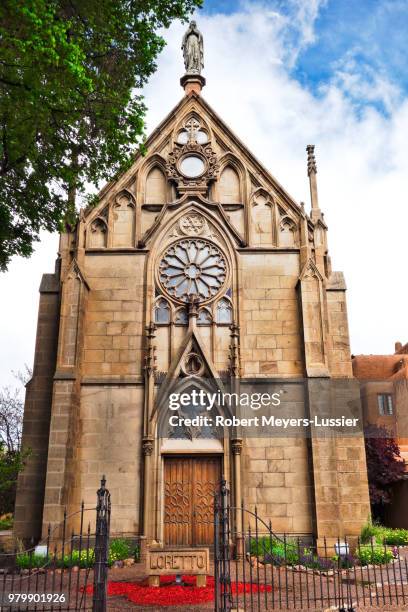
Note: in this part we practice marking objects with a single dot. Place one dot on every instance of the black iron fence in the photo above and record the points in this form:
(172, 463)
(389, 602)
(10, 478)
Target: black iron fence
(256, 569)
(66, 571)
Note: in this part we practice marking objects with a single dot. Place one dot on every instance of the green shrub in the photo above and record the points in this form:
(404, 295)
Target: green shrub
(276, 548)
(396, 537)
(83, 559)
(119, 549)
(27, 561)
(277, 551)
(373, 555)
(384, 535)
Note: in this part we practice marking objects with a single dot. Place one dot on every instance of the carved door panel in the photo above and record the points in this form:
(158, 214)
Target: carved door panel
(177, 501)
(206, 478)
(189, 487)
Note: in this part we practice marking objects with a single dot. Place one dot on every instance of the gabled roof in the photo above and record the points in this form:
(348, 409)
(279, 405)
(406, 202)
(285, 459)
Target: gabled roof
(243, 149)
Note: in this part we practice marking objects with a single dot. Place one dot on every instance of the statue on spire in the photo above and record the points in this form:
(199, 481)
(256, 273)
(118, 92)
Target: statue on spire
(193, 50)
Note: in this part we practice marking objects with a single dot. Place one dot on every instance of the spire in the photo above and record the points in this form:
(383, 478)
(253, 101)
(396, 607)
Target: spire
(193, 53)
(312, 171)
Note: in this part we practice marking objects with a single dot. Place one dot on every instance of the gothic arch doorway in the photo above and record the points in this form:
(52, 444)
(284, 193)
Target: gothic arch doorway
(191, 457)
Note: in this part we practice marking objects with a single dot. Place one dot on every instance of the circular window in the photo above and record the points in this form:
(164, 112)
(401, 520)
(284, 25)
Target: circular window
(192, 267)
(192, 166)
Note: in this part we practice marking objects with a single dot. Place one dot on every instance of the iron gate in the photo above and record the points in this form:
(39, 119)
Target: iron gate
(65, 571)
(257, 569)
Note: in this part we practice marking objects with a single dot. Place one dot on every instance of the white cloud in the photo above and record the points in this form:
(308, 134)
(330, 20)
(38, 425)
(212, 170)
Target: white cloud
(365, 83)
(303, 16)
(361, 156)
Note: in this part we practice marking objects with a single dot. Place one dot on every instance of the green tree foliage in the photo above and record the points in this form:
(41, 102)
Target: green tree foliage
(69, 111)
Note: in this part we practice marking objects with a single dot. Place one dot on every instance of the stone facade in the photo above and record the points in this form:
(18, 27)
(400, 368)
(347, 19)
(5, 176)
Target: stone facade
(110, 333)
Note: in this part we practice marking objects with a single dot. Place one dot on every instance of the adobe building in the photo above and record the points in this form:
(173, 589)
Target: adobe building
(384, 397)
(195, 262)
(384, 391)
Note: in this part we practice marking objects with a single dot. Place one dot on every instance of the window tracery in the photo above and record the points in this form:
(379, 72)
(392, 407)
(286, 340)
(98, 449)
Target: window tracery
(224, 311)
(181, 317)
(162, 313)
(192, 267)
(204, 317)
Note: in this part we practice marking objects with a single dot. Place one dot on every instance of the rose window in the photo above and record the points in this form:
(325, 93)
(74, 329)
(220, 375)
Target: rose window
(192, 267)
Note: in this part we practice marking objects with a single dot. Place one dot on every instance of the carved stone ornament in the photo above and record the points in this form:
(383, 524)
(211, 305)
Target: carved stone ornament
(150, 357)
(147, 446)
(193, 365)
(311, 160)
(236, 446)
(192, 166)
(192, 224)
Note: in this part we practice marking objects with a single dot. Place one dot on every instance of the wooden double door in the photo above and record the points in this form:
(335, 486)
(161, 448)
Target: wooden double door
(190, 483)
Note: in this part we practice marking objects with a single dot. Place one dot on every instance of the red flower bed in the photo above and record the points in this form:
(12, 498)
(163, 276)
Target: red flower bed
(168, 594)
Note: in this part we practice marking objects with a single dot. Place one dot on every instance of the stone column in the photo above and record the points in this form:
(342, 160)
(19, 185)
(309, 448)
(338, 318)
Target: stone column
(149, 370)
(236, 447)
(147, 450)
(234, 352)
(148, 440)
(192, 307)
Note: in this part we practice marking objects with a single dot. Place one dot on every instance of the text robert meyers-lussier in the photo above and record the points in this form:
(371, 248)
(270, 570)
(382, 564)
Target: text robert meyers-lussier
(262, 421)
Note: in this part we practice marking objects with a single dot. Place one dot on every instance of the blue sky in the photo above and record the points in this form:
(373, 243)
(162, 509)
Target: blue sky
(369, 36)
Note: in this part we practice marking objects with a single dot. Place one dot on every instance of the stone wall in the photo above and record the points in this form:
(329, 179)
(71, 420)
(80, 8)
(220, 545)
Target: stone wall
(270, 329)
(110, 443)
(113, 333)
(276, 480)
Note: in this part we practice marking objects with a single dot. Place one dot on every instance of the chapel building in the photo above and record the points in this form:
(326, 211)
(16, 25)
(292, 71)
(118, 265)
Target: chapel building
(195, 262)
